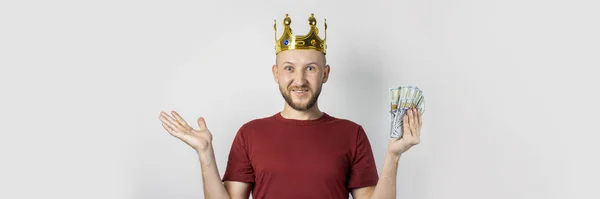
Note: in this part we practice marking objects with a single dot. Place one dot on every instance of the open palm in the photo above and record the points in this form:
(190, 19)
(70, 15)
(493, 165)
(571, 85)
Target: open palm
(200, 139)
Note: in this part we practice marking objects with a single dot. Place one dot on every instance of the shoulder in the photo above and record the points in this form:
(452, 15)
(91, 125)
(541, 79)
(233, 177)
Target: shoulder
(356, 130)
(352, 131)
(261, 121)
(247, 129)
(346, 123)
(256, 123)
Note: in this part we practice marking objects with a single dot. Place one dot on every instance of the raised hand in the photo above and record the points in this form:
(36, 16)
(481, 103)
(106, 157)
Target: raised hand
(411, 135)
(200, 140)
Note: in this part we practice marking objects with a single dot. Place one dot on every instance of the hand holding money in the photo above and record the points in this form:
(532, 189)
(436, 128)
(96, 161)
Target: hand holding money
(199, 140)
(411, 135)
(406, 107)
(404, 98)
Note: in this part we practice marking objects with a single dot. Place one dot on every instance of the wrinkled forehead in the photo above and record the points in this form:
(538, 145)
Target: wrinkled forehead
(300, 57)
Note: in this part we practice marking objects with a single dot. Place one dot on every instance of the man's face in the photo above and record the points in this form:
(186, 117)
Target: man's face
(300, 75)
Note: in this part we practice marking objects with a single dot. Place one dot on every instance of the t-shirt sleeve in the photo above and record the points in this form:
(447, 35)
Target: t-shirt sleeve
(363, 171)
(238, 163)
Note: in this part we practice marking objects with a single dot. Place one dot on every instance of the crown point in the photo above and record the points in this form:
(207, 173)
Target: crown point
(311, 20)
(287, 20)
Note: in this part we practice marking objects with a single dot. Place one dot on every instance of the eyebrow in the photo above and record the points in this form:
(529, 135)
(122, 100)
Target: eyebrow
(287, 62)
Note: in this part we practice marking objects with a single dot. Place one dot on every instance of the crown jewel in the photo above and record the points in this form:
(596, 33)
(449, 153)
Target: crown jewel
(289, 41)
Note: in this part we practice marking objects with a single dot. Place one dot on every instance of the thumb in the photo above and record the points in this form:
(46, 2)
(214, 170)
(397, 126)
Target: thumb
(201, 123)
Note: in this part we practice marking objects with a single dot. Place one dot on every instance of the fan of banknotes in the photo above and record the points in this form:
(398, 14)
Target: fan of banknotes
(403, 98)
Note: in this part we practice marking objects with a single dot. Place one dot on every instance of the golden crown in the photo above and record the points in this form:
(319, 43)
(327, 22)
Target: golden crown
(289, 41)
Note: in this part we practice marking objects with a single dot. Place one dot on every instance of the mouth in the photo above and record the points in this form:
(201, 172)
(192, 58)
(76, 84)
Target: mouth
(300, 91)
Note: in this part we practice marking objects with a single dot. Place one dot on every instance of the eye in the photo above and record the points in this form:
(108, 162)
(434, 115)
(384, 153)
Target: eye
(310, 68)
(287, 68)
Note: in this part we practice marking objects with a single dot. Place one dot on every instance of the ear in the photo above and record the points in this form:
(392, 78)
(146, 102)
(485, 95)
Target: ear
(275, 73)
(326, 75)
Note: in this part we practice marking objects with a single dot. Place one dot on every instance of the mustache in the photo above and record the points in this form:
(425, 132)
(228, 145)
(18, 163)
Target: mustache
(299, 88)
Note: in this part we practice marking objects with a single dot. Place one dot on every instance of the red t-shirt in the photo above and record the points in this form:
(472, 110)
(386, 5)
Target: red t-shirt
(287, 159)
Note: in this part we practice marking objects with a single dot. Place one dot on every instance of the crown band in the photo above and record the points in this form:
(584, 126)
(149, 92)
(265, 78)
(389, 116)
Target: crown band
(289, 41)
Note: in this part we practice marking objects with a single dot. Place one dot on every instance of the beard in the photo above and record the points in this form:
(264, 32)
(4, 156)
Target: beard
(287, 95)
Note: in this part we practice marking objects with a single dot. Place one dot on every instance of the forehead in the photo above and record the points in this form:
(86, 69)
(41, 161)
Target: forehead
(300, 56)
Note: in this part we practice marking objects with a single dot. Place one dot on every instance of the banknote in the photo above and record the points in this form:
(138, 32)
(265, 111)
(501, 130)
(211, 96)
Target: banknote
(403, 98)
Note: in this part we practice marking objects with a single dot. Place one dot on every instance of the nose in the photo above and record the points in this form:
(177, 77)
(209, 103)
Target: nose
(300, 79)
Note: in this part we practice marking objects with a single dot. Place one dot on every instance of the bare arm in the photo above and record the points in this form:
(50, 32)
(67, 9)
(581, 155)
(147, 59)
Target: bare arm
(211, 179)
(386, 186)
(201, 141)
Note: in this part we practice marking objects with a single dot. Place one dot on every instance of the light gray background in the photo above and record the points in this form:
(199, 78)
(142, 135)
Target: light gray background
(510, 91)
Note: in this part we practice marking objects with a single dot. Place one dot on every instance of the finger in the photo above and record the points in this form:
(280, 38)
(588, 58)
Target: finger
(414, 121)
(171, 131)
(417, 117)
(202, 123)
(420, 123)
(420, 118)
(411, 120)
(181, 120)
(406, 127)
(179, 126)
(169, 122)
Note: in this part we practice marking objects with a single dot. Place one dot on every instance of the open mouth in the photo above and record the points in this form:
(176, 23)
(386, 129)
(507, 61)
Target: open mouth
(301, 91)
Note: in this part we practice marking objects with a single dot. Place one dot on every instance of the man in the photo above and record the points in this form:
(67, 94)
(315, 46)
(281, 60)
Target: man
(299, 152)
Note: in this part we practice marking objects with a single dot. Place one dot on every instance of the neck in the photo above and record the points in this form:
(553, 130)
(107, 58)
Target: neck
(310, 114)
